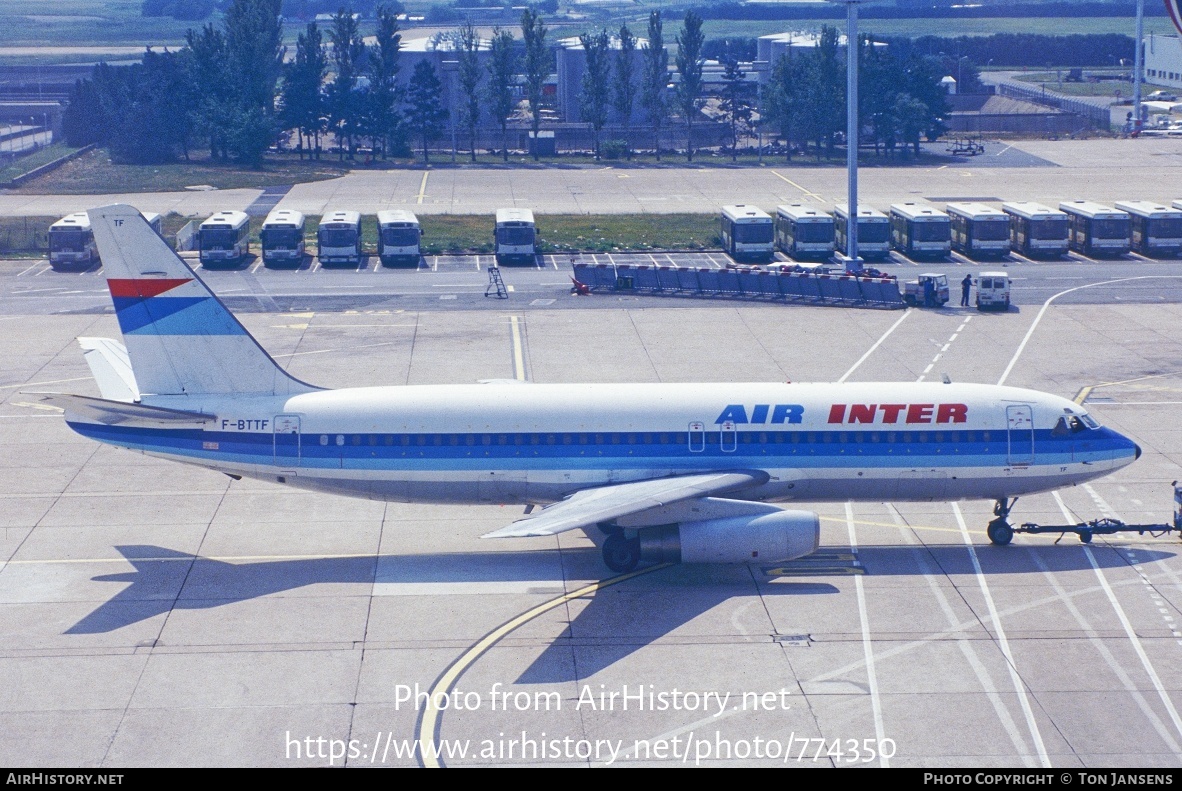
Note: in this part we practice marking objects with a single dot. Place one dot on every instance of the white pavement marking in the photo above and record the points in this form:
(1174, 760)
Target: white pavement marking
(877, 343)
(1116, 667)
(1107, 511)
(867, 646)
(966, 646)
(518, 355)
(1022, 346)
(1003, 643)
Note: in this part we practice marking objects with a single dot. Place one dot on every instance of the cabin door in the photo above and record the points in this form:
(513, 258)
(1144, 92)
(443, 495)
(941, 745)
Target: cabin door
(287, 441)
(1020, 434)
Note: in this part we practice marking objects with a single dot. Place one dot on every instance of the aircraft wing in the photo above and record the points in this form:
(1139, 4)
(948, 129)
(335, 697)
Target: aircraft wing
(602, 504)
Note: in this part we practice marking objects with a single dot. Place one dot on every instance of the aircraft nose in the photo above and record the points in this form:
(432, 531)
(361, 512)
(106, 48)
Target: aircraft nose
(1137, 449)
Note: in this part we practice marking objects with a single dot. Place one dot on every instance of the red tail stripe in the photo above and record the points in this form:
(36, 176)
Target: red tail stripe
(143, 288)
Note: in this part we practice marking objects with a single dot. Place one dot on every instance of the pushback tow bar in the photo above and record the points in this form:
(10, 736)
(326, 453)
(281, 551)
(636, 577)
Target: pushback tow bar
(1106, 526)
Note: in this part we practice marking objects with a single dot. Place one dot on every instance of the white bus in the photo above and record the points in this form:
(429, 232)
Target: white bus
(919, 230)
(874, 232)
(1097, 229)
(71, 242)
(515, 236)
(1157, 229)
(399, 237)
(1036, 230)
(747, 233)
(804, 232)
(979, 230)
(224, 238)
(282, 238)
(338, 239)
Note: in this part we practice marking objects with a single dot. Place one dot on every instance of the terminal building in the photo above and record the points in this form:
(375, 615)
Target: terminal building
(1163, 61)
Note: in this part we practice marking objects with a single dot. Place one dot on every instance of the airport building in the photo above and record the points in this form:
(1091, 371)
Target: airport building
(1163, 60)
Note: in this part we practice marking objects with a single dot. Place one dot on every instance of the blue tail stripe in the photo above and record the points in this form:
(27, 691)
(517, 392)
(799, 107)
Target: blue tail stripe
(174, 316)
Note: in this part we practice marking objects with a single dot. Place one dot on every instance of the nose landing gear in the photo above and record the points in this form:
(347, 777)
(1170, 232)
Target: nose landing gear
(1000, 531)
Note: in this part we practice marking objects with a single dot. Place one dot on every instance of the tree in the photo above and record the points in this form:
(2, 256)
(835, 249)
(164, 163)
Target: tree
(624, 94)
(382, 119)
(468, 46)
(736, 101)
(689, 66)
(781, 105)
(212, 89)
(656, 78)
(425, 115)
(348, 52)
(302, 101)
(255, 51)
(502, 65)
(593, 98)
(537, 67)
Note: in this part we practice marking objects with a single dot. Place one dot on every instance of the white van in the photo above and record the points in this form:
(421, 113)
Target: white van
(993, 291)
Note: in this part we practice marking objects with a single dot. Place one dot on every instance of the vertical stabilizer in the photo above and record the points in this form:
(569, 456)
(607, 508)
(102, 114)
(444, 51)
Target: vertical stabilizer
(180, 338)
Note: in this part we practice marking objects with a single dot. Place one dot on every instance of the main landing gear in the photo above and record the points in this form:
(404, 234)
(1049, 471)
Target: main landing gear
(620, 553)
(999, 531)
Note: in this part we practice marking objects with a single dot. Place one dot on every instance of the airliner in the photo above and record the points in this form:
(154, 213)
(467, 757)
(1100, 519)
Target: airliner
(686, 473)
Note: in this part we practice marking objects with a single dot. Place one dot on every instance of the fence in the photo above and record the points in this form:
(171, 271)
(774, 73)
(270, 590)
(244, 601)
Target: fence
(1098, 116)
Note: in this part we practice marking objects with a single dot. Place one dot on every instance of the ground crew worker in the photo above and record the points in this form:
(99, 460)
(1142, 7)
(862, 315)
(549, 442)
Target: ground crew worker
(964, 290)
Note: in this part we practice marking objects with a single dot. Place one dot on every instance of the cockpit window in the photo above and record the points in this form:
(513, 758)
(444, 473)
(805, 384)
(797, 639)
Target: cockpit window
(1087, 421)
(1060, 428)
(1073, 424)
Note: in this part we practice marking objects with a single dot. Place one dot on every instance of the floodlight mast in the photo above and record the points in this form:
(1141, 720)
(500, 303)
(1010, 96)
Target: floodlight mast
(1137, 66)
(851, 260)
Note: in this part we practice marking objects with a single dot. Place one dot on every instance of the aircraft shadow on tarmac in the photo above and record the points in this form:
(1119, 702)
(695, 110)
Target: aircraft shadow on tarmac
(605, 626)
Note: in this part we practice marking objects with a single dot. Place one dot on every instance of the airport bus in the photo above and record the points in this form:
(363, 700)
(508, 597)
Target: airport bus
(399, 237)
(338, 238)
(804, 232)
(71, 241)
(1157, 229)
(918, 230)
(515, 236)
(1036, 230)
(282, 238)
(874, 232)
(979, 230)
(224, 238)
(1097, 229)
(747, 233)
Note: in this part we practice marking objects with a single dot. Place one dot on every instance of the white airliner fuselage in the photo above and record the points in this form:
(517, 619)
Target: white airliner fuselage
(644, 463)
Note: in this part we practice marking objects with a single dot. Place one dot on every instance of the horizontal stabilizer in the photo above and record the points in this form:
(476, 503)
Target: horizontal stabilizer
(603, 504)
(111, 368)
(113, 413)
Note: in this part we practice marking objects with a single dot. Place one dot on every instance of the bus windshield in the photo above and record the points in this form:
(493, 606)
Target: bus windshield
(929, 231)
(1048, 229)
(218, 238)
(1166, 229)
(400, 237)
(68, 241)
(281, 237)
(814, 232)
(516, 235)
(991, 230)
(873, 232)
(338, 237)
(753, 233)
(1110, 229)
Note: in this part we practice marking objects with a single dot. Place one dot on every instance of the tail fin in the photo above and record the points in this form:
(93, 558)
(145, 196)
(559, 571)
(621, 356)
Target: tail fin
(180, 338)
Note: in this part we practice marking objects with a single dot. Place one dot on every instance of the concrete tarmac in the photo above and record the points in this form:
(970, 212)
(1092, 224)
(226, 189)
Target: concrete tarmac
(1103, 170)
(159, 614)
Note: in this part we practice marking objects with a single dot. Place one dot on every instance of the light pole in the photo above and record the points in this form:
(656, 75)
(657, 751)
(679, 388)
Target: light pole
(851, 260)
(1137, 66)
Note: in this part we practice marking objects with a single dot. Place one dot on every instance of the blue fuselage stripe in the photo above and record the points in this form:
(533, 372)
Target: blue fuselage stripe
(620, 450)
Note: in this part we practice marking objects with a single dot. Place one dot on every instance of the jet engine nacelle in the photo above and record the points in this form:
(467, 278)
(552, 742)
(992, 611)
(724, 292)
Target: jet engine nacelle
(768, 538)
